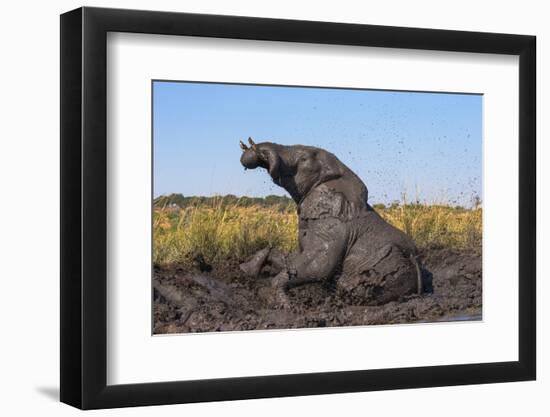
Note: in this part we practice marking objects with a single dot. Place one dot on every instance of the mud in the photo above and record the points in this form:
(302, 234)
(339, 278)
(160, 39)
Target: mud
(220, 298)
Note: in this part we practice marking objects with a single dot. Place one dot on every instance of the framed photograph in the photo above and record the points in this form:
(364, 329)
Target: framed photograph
(256, 208)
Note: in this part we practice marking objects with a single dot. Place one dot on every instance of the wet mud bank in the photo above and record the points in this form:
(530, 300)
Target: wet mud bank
(210, 298)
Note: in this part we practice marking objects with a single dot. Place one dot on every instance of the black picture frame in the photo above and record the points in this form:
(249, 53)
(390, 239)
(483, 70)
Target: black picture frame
(84, 207)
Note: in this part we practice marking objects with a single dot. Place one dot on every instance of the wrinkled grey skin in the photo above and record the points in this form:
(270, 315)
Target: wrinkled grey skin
(342, 240)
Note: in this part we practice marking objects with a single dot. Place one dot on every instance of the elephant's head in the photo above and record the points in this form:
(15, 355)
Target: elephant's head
(296, 168)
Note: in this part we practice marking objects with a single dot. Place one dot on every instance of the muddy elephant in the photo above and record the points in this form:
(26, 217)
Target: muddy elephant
(342, 239)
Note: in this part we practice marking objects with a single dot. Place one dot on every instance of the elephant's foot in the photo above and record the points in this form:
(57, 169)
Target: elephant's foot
(280, 288)
(253, 266)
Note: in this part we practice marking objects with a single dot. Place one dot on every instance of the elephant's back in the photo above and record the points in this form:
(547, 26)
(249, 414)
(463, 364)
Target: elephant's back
(375, 231)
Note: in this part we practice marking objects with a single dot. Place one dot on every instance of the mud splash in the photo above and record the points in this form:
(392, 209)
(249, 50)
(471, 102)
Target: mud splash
(223, 299)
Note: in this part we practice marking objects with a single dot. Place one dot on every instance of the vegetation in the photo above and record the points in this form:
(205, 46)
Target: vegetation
(437, 226)
(283, 203)
(216, 229)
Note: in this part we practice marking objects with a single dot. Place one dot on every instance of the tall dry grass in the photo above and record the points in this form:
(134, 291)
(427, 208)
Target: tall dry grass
(438, 226)
(217, 231)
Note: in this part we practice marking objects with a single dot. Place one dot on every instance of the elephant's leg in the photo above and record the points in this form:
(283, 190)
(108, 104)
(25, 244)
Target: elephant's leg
(254, 265)
(316, 264)
(280, 285)
(276, 261)
(270, 257)
(322, 249)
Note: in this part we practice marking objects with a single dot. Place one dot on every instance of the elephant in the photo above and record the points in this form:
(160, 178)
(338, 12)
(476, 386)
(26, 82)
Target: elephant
(342, 240)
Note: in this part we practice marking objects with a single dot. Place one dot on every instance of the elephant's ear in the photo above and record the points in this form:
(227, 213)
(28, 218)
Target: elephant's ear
(331, 168)
(274, 162)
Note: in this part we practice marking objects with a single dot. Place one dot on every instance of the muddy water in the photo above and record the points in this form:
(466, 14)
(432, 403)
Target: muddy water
(187, 300)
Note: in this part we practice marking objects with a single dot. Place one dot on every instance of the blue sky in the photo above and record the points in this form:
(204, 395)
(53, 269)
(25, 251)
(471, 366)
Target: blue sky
(426, 145)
